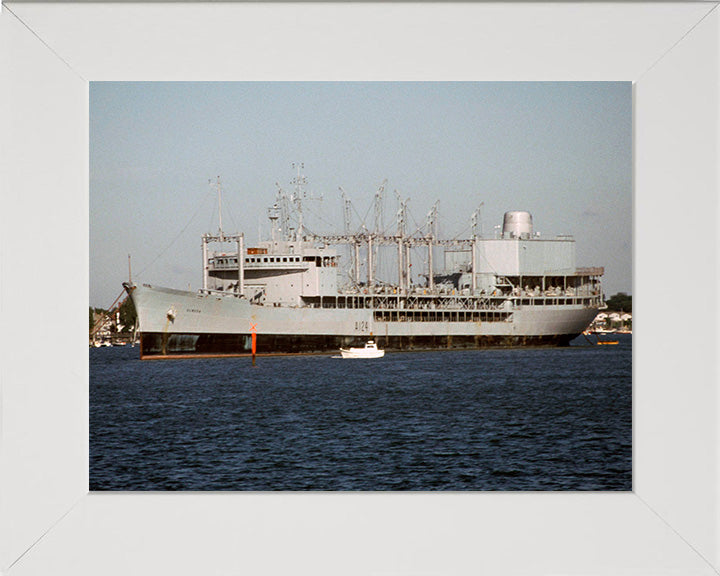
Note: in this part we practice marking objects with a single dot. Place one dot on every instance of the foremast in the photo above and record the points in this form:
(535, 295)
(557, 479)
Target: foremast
(221, 238)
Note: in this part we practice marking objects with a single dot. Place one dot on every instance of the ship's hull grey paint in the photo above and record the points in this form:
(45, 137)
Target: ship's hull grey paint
(177, 320)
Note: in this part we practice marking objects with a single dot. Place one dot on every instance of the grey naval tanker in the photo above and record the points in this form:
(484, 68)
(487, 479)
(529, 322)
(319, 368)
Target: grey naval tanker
(516, 288)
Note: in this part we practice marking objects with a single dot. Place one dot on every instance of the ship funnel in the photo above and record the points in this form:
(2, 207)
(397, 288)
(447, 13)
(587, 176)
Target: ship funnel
(517, 224)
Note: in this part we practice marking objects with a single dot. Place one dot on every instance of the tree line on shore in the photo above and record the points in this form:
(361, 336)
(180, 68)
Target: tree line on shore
(620, 302)
(128, 316)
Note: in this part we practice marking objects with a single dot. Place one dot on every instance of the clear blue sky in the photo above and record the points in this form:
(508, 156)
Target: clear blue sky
(561, 150)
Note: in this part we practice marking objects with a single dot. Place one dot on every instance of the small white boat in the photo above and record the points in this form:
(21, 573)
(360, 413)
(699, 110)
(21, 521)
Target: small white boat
(369, 351)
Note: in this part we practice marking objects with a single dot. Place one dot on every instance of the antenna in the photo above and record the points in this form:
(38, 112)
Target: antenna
(479, 211)
(273, 215)
(400, 214)
(355, 256)
(379, 207)
(403, 256)
(476, 217)
(430, 234)
(378, 202)
(432, 221)
(346, 210)
(299, 181)
(282, 203)
(219, 191)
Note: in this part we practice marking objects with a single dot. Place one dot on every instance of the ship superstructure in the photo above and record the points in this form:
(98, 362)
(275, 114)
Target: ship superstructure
(294, 291)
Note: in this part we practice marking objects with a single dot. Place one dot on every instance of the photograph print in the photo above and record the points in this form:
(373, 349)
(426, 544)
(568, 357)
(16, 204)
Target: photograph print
(360, 286)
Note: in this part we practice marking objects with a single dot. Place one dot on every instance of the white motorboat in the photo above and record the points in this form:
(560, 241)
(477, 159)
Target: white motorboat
(369, 351)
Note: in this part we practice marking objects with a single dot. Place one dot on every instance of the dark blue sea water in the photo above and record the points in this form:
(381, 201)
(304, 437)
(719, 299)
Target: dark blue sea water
(520, 419)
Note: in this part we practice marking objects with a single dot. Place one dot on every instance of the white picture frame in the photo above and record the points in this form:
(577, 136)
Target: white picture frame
(49, 523)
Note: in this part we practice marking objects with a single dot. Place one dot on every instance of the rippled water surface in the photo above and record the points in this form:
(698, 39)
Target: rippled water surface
(522, 419)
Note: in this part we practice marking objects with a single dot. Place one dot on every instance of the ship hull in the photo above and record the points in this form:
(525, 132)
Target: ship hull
(177, 323)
